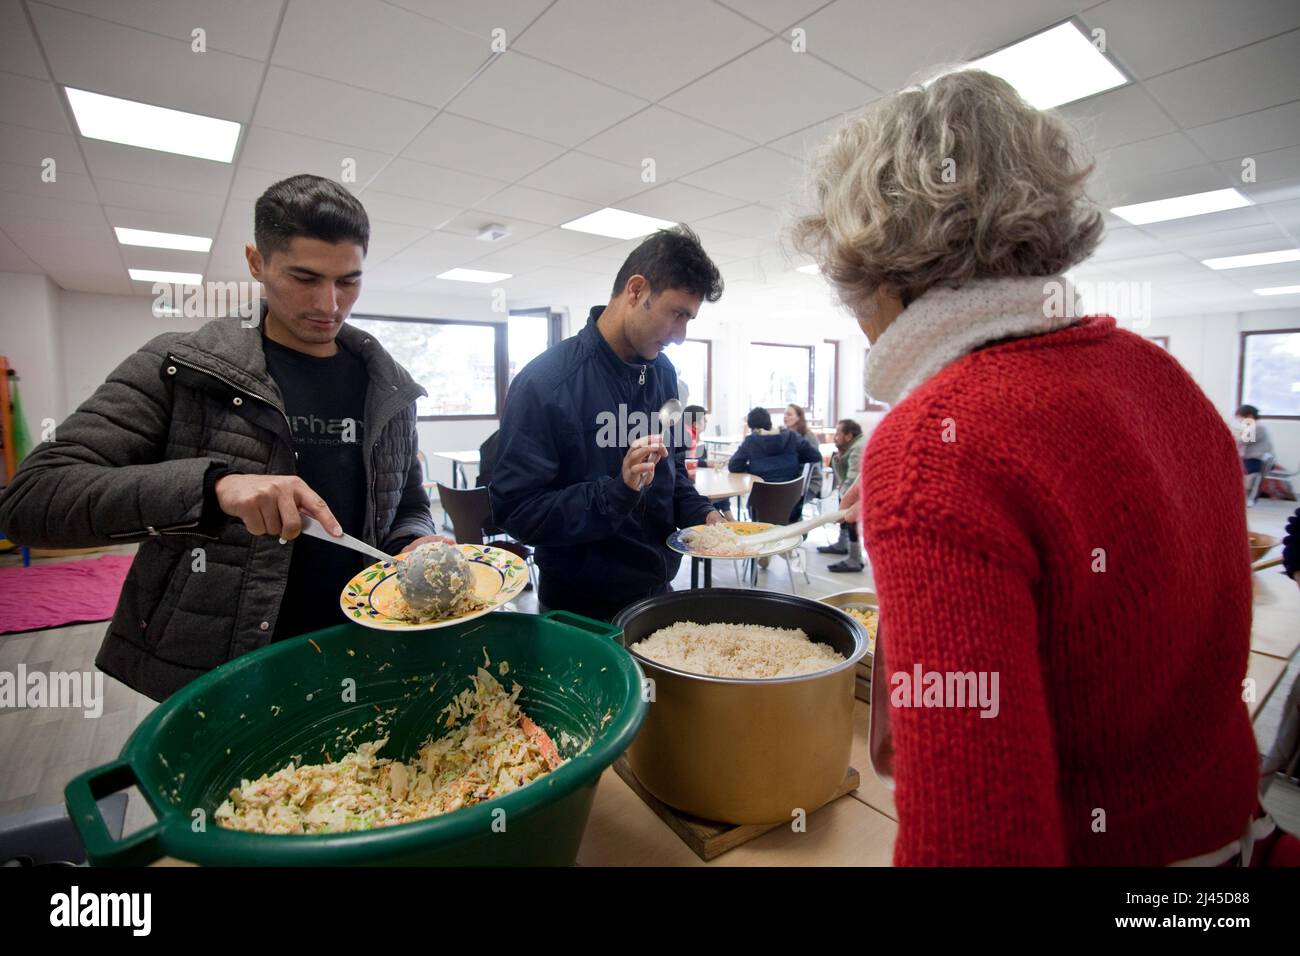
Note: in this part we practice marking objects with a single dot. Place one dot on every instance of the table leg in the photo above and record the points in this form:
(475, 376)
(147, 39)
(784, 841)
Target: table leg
(708, 572)
(695, 573)
(458, 475)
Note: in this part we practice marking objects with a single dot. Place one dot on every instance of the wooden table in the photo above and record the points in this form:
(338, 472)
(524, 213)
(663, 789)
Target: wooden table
(855, 830)
(720, 485)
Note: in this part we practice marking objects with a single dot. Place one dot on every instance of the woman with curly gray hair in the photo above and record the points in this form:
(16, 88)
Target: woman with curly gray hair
(1052, 508)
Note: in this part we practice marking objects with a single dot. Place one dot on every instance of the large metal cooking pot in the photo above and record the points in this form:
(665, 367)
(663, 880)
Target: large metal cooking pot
(743, 750)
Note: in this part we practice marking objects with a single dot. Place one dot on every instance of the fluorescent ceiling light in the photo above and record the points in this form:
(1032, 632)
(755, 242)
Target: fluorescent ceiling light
(162, 240)
(153, 127)
(811, 269)
(1280, 290)
(1254, 259)
(617, 224)
(1180, 207)
(474, 275)
(1052, 68)
(174, 278)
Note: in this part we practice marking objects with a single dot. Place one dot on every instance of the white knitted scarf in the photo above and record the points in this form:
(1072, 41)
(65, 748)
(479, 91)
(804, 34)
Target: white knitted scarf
(944, 324)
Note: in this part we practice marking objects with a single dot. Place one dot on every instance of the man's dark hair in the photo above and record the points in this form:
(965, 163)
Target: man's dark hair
(1248, 411)
(759, 418)
(672, 259)
(693, 413)
(312, 206)
(850, 427)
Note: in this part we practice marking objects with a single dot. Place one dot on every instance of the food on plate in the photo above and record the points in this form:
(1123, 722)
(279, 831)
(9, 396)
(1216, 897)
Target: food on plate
(737, 650)
(868, 616)
(493, 749)
(435, 582)
(716, 539)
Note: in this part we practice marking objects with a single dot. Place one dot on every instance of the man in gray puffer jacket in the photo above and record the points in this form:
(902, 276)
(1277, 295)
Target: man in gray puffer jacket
(206, 446)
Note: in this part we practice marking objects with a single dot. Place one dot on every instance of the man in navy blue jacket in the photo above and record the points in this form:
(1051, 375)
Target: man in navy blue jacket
(582, 472)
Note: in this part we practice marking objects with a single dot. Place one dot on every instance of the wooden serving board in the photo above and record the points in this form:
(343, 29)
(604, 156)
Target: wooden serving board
(709, 839)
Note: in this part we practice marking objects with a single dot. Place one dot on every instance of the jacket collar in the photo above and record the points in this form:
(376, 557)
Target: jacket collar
(597, 343)
(946, 324)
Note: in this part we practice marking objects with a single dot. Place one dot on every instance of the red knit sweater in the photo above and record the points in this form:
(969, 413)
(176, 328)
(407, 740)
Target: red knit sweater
(1120, 690)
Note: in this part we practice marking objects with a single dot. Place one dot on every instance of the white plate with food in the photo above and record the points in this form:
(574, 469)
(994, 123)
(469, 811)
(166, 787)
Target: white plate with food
(444, 585)
(726, 540)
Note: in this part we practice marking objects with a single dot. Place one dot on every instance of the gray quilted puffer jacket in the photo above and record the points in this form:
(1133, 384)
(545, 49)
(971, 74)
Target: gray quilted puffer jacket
(128, 465)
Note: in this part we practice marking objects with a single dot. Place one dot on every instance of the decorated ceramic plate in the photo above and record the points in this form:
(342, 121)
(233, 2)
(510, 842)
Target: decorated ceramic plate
(679, 543)
(371, 596)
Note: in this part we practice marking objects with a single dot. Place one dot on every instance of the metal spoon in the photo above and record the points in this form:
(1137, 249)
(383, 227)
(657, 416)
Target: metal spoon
(310, 526)
(669, 415)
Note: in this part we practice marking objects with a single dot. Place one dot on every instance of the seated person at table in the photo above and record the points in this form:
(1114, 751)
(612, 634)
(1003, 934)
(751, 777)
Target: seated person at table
(796, 421)
(772, 455)
(694, 418)
(1253, 442)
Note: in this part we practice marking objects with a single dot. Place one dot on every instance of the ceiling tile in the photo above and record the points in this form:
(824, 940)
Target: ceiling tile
(543, 101)
(27, 178)
(479, 17)
(1251, 133)
(142, 196)
(637, 47)
(802, 145)
(289, 154)
(1242, 81)
(767, 94)
(244, 27)
(318, 108)
(586, 177)
(377, 46)
(1116, 117)
(131, 164)
(403, 177)
(31, 147)
(24, 206)
(186, 222)
(889, 45)
(759, 175)
(680, 202)
(18, 50)
(536, 206)
(677, 144)
(1274, 166)
(389, 238)
(753, 220)
(405, 210)
(92, 54)
(776, 15)
(31, 103)
(456, 142)
(1156, 36)
(13, 259)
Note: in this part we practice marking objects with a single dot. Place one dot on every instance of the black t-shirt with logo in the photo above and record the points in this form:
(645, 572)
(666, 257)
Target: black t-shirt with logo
(325, 399)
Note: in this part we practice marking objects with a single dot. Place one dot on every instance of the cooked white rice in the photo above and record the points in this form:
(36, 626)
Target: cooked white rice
(717, 539)
(737, 650)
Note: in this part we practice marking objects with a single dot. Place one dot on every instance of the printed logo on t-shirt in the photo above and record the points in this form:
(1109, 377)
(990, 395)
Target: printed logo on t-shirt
(314, 430)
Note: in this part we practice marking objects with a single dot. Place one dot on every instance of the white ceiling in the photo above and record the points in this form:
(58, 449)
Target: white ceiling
(448, 136)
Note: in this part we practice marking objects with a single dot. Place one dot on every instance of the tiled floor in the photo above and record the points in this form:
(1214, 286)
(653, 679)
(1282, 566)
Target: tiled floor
(40, 750)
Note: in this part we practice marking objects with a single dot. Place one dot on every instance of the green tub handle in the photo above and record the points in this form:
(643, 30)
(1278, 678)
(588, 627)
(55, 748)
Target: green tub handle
(139, 848)
(603, 628)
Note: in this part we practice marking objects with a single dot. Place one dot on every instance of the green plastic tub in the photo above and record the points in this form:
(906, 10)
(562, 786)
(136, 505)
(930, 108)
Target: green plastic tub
(253, 715)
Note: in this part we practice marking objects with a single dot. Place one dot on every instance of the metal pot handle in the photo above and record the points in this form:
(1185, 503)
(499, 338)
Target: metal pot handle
(880, 742)
(142, 847)
(601, 628)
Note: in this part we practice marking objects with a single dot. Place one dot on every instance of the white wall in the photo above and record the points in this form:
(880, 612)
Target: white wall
(29, 338)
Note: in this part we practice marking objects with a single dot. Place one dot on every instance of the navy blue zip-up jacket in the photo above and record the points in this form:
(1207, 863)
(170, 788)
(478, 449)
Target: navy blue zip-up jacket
(599, 544)
(777, 457)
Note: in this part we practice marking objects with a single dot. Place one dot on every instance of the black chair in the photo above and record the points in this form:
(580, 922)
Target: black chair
(470, 511)
(772, 502)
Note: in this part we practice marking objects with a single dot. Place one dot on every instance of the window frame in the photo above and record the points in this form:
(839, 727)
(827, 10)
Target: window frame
(708, 372)
(812, 369)
(500, 361)
(1241, 370)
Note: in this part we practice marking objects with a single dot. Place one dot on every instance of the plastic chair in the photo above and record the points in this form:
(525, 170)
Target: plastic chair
(1256, 481)
(772, 502)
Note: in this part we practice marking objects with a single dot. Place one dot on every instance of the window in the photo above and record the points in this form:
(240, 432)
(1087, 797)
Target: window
(1269, 373)
(529, 333)
(780, 375)
(693, 360)
(868, 403)
(827, 391)
(460, 364)
(1160, 340)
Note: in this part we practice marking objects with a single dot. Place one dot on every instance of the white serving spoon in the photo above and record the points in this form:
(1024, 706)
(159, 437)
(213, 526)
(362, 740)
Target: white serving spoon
(781, 532)
(311, 526)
